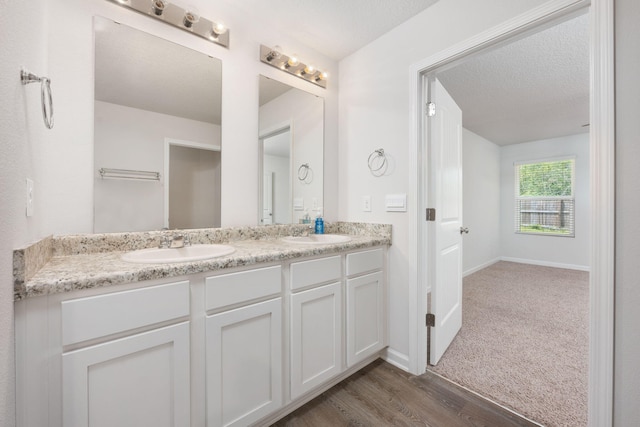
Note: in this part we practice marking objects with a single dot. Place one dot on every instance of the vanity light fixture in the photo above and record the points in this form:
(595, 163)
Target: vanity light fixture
(187, 19)
(292, 65)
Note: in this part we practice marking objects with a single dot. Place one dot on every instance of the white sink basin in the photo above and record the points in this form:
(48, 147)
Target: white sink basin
(186, 254)
(317, 239)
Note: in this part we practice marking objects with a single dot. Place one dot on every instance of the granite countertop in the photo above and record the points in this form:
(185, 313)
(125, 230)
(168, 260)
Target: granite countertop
(69, 269)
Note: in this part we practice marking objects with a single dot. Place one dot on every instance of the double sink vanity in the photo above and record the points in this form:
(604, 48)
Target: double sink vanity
(239, 328)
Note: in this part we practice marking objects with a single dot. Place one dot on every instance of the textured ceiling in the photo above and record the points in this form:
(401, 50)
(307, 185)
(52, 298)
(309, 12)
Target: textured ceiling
(535, 88)
(335, 28)
(142, 71)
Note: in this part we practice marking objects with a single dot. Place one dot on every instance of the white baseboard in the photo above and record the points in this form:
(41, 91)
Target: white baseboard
(480, 267)
(397, 359)
(547, 263)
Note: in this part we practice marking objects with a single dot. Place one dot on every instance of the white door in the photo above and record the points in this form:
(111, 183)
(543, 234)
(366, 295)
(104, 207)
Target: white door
(267, 198)
(445, 242)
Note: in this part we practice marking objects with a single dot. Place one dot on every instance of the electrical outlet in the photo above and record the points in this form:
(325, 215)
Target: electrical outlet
(29, 197)
(366, 203)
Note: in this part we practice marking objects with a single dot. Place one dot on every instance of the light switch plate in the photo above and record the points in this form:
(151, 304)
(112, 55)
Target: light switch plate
(366, 203)
(395, 202)
(29, 197)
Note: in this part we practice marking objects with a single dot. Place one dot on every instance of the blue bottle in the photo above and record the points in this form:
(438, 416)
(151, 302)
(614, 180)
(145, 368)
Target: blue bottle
(319, 224)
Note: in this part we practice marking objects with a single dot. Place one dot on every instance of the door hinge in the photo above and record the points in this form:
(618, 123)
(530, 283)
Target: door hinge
(431, 214)
(431, 320)
(431, 109)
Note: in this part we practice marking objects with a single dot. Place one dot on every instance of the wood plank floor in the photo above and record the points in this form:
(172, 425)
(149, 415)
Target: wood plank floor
(383, 395)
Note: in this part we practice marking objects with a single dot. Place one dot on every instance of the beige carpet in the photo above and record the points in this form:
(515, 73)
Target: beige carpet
(524, 341)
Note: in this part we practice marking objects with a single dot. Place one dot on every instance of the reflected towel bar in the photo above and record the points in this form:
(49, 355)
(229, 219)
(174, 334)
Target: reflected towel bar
(129, 174)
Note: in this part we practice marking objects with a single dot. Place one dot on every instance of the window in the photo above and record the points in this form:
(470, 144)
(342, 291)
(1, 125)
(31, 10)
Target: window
(545, 203)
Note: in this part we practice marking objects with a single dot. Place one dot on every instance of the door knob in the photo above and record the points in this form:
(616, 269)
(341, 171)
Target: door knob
(464, 230)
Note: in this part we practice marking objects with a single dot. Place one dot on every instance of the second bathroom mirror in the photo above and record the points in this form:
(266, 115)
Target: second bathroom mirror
(156, 132)
(291, 145)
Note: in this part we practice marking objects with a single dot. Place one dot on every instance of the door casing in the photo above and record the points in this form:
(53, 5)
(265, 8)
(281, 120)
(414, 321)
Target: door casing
(602, 132)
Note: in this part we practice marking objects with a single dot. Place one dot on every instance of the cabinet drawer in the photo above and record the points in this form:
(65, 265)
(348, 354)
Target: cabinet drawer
(235, 288)
(321, 270)
(362, 262)
(94, 317)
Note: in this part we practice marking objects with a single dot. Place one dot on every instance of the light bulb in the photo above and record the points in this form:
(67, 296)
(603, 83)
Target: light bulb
(191, 16)
(308, 69)
(159, 6)
(274, 54)
(293, 61)
(218, 29)
(322, 76)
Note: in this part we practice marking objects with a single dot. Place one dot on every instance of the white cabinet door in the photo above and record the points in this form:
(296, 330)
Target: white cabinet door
(365, 317)
(244, 364)
(316, 337)
(141, 380)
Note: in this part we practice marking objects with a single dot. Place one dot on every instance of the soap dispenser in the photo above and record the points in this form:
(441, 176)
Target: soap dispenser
(319, 222)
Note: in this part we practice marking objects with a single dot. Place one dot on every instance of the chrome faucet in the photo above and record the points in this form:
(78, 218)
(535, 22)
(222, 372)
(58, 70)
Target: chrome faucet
(176, 241)
(310, 230)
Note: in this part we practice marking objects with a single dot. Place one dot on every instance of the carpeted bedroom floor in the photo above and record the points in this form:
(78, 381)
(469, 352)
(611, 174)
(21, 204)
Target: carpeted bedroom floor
(524, 341)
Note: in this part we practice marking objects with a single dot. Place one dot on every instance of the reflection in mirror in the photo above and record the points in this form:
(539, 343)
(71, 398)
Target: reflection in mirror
(291, 142)
(157, 109)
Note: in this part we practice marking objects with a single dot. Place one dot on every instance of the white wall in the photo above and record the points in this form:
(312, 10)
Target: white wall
(304, 112)
(627, 267)
(570, 252)
(130, 138)
(481, 202)
(23, 139)
(375, 112)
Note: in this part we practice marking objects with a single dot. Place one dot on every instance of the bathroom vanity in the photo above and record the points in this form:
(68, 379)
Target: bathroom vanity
(236, 340)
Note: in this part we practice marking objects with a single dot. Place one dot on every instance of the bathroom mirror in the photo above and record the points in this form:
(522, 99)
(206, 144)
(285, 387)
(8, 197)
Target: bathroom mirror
(156, 133)
(291, 147)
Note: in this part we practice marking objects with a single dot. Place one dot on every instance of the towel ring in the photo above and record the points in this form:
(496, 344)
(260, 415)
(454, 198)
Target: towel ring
(377, 162)
(303, 171)
(45, 95)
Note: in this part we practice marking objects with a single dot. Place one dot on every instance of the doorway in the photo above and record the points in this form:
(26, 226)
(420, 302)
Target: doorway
(601, 148)
(276, 186)
(192, 185)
